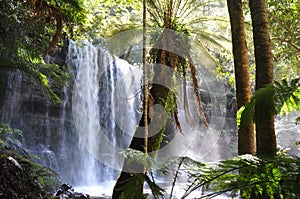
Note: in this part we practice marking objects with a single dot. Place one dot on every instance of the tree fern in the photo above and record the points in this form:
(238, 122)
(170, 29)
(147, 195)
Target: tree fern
(277, 177)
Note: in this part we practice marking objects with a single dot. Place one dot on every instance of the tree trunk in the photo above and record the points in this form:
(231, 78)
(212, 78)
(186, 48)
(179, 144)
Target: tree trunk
(159, 93)
(242, 76)
(134, 169)
(264, 117)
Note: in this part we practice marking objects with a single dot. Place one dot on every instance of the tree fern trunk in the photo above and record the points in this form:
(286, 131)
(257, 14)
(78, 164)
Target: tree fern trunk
(141, 144)
(159, 94)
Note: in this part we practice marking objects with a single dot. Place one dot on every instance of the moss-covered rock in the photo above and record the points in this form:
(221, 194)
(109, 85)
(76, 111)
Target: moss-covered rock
(19, 178)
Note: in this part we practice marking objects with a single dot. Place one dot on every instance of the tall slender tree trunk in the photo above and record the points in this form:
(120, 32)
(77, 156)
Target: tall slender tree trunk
(264, 116)
(242, 75)
(159, 94)
(133, 170)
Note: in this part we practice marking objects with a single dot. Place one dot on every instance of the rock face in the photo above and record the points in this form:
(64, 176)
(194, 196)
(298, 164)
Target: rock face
(24, 106)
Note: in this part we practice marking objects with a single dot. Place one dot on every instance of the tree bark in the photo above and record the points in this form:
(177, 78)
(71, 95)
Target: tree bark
(132, 170)
(264, 117)
(242, 76)
(159, 94)
(137, 142)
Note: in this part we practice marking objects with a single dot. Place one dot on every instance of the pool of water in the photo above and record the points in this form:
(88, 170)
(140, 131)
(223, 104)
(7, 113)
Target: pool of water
(105, 191)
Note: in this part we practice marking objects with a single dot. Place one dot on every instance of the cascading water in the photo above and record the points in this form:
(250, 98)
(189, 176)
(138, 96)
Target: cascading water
(11, 104)
(85, 108)
(97, 108)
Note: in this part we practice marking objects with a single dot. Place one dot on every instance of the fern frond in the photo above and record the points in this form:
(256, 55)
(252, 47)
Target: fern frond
(59, 76)
(118, 44)
(287, 96)
(282, 97)
(156, 190)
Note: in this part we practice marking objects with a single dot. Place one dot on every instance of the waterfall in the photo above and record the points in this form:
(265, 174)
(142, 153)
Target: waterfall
(104, 118)
(85, 108)
(82, 137)
(11, 103)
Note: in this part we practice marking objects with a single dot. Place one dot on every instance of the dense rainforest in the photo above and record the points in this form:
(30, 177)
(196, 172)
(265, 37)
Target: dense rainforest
(249, 49)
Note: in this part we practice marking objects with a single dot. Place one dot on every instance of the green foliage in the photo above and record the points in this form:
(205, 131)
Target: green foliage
(225, 69)
(284, 30)
(197, 20)
(32, 25)
(288, 96)
(282, 97)
(18, 169)
(246, 114)
(157, 191)
(170, 102)
(246, 175)
(149, 162)
(139, 157)
(249, 176)
(9, 138)
(130, 189)
(40, 74)
(298, 120)
(31, 29)
(107, 18)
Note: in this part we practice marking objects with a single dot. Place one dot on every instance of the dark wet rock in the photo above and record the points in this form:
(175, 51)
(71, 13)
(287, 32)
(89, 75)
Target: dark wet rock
(67, 192)
(16, 179)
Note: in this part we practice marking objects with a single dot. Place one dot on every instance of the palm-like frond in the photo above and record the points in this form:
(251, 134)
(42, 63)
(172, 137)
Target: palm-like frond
(187, 17)
(120, 42)
(179, 15)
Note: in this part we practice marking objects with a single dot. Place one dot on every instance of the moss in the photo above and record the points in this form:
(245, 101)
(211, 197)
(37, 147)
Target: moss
(155, 141)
